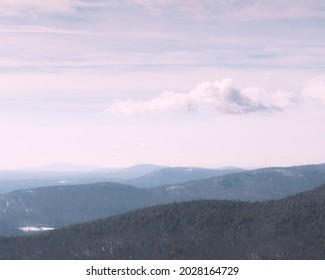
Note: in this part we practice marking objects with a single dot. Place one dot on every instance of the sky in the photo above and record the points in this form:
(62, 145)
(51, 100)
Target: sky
(114, 83)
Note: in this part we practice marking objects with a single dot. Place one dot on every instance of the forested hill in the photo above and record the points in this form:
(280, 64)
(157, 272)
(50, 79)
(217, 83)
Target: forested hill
(58, 206)
(291, 228)
(259, 184)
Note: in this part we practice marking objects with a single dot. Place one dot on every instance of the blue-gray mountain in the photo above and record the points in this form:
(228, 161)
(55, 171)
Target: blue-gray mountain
(59, 206)
(291, 228)
(259, 184)
(172, 175)
(143, 175)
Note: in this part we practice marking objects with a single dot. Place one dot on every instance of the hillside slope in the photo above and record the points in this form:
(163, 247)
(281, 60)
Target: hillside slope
(259, 184)
(59, 206)
(291, 228)
(172, 175)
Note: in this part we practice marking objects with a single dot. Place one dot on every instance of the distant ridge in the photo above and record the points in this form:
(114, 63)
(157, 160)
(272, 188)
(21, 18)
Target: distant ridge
(61, 173)
(259, 184)
(172, 175)
(137, 170)
(143, 175)
(64, 167)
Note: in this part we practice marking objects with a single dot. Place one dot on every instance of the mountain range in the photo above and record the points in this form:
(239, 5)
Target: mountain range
(142, 175)
(172, 175)
(290, 228)
(62, 205)
(259, 184)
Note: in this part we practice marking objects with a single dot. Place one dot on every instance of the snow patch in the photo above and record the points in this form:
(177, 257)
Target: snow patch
(32, 229)
(189, 169)
(63, 182)
(285, 172)
(174, 187)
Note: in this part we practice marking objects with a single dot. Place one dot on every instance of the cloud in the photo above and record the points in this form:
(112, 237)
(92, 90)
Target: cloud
(39, 29)
(202, 9)
(314, 89)
(32, 7)
(166, 102)
(238, 9)
(221, 96)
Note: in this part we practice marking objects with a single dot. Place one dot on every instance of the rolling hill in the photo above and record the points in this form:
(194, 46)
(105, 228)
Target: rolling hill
(142, 175)
(291, 228)
(64, 174)
(172, 175)
(58, 206)
(259, 184)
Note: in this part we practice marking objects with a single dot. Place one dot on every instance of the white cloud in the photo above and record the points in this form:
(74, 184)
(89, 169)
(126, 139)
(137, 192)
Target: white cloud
(221, 96)
(315, 89)
(166, 102)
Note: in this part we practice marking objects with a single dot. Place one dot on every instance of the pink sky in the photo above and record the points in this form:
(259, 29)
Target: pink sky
(116, 83)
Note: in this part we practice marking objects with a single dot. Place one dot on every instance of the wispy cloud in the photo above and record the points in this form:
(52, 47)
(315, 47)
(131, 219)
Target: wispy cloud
(39, 29)
(222, 96)
(32, 7)
(200, 9)
(124, 40)
(238, 10)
